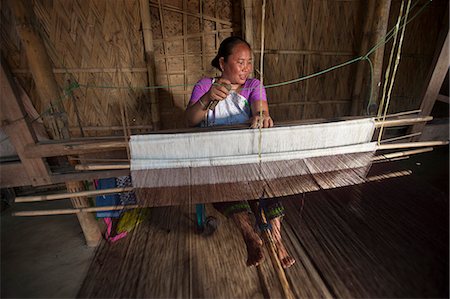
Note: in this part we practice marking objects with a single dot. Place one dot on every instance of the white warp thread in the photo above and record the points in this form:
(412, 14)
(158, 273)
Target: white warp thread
(221, 148)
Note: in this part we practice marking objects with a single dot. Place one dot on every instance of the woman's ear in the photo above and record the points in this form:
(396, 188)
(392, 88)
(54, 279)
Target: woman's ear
(221, 63)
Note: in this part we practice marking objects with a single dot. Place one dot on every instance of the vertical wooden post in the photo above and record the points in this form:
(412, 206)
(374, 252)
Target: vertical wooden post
(87, 221)
(247, 23)
(18, 128)
(375, 28)
(42, 72)
(436, 75)
(41, 68)
(150, 59)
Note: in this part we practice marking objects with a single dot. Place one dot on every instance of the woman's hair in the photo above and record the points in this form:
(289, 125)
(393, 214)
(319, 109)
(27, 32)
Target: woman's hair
(225, 49)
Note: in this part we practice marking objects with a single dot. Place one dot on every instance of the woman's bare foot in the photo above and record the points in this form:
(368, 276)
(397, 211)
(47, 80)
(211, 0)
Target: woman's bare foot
(253, 242)
(254, 250)
(285, 259)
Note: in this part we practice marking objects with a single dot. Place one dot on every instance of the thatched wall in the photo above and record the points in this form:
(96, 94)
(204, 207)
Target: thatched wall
(304, 37)
(100, 43)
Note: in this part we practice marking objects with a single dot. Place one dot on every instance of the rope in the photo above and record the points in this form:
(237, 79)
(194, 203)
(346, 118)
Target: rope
(397, 61)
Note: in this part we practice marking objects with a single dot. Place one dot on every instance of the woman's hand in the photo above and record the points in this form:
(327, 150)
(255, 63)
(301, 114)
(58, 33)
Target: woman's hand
(257, 121)
(219, 90)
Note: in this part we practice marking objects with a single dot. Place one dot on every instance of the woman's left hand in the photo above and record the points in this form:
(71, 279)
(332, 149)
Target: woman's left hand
(257, 121)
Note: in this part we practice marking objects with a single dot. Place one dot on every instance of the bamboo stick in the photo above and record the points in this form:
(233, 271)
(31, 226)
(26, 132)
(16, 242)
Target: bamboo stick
(402, 122)
(410, 144)
(403, 113)
(401, 154)
(400, 137)
(390, 175)
(72, 194)
(101, 166)
(74, 211)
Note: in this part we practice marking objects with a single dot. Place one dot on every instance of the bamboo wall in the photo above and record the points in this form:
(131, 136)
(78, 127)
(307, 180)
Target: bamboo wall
(100, 43)
(417, 53)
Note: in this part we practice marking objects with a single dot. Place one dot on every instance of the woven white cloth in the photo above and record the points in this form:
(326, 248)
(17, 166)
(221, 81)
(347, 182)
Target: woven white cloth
(237, 147)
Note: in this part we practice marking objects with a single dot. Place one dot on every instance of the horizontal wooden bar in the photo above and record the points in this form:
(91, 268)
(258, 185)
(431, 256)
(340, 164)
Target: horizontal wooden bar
(88, 175)
(402, 154)
(62, 149)
(389, 175)
(72, 194)
(101, 166)
(73, 211)
(402, 122)
(305, 52)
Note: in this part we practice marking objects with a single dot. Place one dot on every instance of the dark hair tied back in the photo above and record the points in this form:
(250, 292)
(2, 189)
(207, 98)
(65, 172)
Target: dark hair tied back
(225, 49)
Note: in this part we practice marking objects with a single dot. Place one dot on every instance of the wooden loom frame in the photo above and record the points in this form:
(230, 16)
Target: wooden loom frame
(32, 168)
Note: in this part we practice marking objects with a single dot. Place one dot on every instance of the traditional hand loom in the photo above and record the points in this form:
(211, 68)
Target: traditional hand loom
(233, 165)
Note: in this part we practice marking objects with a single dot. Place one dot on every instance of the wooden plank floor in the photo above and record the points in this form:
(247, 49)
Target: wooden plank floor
(381, 239)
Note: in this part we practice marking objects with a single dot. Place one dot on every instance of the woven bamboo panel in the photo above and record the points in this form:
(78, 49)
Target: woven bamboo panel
(315, 35)
(187, 35)
(99, 44)
(417, 53)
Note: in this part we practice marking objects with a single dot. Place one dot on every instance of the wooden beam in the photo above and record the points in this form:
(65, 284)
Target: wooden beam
(375, 27)
(436, 75)
(150, 59)
(18, 128)
(40, 67)
(63, 149)
(88, 175)
(247, 25)
(13, 175)
(247, 20)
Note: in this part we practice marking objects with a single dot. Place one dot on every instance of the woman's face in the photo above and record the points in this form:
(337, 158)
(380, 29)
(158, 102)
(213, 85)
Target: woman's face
(238, 66)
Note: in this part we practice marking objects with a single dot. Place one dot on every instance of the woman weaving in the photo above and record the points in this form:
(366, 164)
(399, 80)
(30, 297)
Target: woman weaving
(239, 100)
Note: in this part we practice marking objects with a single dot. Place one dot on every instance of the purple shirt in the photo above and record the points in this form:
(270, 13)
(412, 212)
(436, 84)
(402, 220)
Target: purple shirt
(250, 90)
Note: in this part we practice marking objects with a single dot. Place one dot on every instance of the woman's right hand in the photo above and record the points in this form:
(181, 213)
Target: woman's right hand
(218, 90)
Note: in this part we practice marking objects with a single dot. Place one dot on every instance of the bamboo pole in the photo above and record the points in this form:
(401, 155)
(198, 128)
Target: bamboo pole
(74, 211)
(402, 121)
(401, 154)
(150, 58)
(399, 137)
(411, 144)
(389, 175)
(101, 166)
(71, 194)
